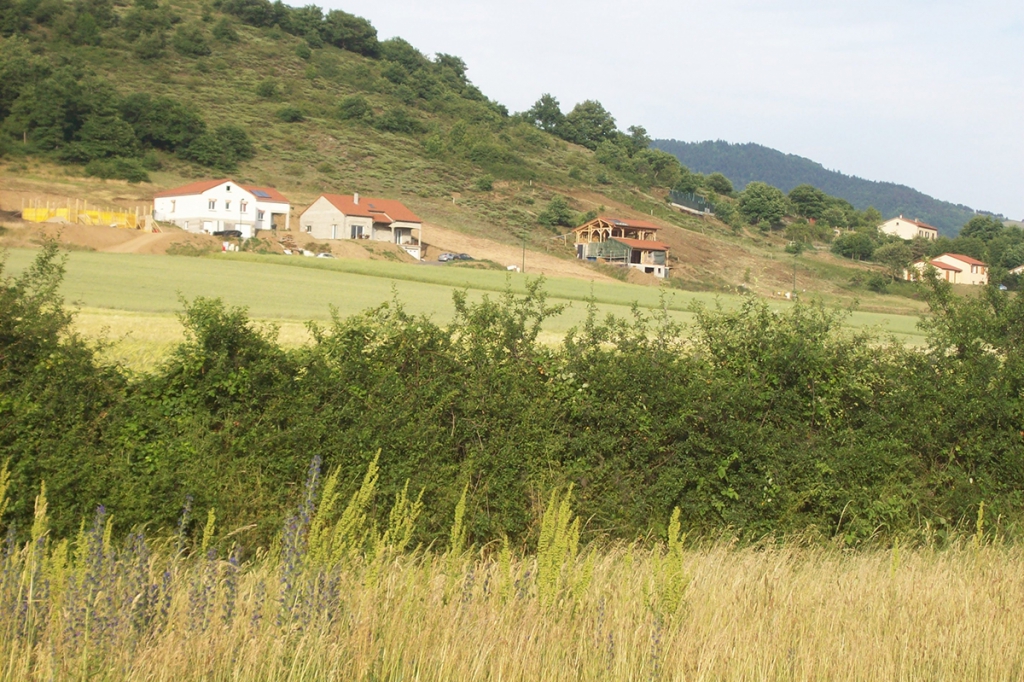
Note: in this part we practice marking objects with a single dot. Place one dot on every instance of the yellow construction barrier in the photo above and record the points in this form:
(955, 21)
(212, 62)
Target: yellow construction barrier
(84, 216)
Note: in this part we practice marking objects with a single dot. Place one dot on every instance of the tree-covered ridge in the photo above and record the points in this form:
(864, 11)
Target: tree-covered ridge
(745, 163)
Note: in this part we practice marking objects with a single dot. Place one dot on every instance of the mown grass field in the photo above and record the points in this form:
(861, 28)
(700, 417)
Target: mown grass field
(133, 300)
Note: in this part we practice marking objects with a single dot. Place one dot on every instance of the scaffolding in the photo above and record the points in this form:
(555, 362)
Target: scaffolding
(80, 213)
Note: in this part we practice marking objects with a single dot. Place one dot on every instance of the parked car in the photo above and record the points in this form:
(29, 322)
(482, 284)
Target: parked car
(228, 233)
(463, 256)
(325, 255)
(445, 257)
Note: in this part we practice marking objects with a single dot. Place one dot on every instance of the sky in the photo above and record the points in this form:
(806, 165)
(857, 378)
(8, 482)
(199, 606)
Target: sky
(926, 93)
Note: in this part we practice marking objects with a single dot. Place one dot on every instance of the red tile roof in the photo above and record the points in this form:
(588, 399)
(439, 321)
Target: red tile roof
(381, 210)
(203, 185)
(272, 194)
(963, 259)
(920, 224)
(939, 264)
(642, 244)
(191, 188)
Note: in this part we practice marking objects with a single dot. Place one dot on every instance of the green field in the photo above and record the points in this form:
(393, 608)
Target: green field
(134, 299)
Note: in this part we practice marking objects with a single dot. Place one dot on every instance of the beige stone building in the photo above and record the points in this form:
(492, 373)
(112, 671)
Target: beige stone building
(337, 216)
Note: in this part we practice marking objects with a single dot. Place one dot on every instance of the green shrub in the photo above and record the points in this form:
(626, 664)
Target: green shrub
(397, 120)
(354, 107)
(484, 183)
(224, 31)
(267, 89)
(190, 41)
(290, 114)
(131, 170)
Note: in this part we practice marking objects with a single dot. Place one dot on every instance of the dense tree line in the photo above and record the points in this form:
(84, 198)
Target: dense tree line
(72, 115)
(746, 163)
(760, 422)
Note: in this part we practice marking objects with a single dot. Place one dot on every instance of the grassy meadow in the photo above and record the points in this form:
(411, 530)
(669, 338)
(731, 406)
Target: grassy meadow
(132, 301)
(336, 599)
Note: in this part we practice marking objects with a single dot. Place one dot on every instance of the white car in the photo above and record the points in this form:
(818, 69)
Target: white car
(325, 255)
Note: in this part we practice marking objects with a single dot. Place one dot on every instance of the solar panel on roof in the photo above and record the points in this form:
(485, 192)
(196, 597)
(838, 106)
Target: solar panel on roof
(261, 194)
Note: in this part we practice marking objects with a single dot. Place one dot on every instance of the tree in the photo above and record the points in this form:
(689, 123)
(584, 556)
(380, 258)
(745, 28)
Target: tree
(855, 245)
(546, 114)
(808, 201)
(161, 122)
(895, 256)
(18, 68)
(719, 184)
(834, 216)
(655, 167)
(762, 202)
(588, 124)
(637, 140)
(351, 33)
(101, 136)
(558, 212)
(985, 228)
(689, 181)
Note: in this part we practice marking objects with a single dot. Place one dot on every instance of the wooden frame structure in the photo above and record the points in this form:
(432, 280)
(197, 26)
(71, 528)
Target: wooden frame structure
(602, 228)
(630, 243)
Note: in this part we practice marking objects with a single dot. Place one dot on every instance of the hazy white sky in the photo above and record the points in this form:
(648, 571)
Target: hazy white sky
(927, 93)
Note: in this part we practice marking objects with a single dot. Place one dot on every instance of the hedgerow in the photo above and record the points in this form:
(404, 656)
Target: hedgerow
(755, 421)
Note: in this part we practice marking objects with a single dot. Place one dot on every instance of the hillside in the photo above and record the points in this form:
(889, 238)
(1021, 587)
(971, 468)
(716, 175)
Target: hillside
(744, 163)
(111, 103)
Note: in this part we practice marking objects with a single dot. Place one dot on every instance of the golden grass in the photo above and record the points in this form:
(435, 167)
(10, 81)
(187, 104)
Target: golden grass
(748, 614)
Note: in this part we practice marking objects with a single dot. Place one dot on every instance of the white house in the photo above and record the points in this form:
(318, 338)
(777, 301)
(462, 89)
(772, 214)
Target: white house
(219, 205)
(955, 268)
(904, 228)
(337, 216)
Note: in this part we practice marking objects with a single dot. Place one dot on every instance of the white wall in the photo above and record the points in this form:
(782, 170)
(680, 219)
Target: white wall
(233, 208)
(904, 229)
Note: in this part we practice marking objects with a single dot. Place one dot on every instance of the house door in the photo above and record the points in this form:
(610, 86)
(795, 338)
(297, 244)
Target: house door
(357, 231)
(334, 231)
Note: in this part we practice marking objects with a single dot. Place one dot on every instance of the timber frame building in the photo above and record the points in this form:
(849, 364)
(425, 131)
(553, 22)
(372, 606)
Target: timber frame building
(630, 243)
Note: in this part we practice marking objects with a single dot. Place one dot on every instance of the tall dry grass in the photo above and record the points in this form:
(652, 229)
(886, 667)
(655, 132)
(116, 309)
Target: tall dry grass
(319, 607)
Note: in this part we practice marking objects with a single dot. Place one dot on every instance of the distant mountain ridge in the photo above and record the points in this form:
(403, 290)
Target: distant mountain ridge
(745, 163)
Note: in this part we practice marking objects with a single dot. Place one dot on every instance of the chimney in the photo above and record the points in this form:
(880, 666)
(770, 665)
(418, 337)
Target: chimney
(355, 198)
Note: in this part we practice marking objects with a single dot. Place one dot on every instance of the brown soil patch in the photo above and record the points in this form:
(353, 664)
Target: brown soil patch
(440, 240)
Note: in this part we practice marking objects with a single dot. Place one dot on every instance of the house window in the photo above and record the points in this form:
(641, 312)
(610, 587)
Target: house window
(259, 215)
(309, 228)
(173, 203)
(227, 205)
(244, 206)
(211, 204)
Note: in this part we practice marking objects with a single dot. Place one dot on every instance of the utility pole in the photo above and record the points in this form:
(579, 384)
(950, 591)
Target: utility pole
(523, 270)
(794, 276)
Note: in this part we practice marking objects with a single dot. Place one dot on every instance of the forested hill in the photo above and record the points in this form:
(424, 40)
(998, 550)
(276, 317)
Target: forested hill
(744, 163)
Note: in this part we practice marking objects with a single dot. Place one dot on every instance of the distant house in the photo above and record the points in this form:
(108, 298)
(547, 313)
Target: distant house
(337, 216)
(955, 268)
(630, 243)
(904, 228)
(218, 205)
(1019, 270)
(949, 273)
